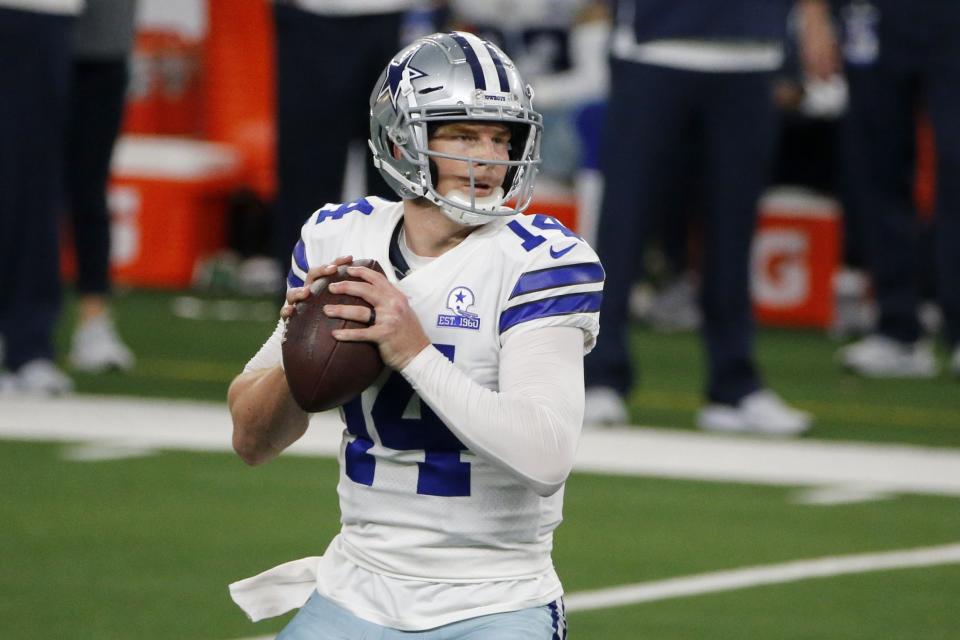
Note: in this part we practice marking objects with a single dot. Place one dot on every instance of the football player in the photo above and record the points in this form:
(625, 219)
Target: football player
(452, 465)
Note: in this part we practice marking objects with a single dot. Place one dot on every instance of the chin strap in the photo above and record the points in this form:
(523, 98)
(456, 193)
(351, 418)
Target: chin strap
(492, 202)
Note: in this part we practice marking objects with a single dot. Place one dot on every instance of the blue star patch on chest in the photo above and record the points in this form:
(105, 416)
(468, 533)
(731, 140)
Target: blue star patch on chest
(459, 301)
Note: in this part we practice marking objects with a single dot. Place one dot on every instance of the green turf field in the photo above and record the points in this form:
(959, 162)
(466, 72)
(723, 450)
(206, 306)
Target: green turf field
(144, 547)
(190, 358)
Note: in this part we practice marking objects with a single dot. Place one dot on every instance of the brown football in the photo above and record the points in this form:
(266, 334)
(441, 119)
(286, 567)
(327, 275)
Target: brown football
(322, 372)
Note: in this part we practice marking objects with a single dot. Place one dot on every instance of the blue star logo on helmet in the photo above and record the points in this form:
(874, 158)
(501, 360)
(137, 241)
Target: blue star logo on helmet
(459, 301)
(399, 74)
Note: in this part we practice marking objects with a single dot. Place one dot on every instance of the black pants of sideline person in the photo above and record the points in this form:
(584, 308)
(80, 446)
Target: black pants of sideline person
(657, 118)
(93, 121)
(326, 69)
(885, 98)
(34, 79)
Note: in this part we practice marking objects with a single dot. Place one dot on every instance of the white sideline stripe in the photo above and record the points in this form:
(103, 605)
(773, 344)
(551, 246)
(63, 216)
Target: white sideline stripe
(763, 575)
(199, 426)
(748, 577)
(838, 495)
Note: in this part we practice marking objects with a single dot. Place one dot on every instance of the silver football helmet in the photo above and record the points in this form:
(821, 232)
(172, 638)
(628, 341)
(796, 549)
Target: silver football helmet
(453, 77)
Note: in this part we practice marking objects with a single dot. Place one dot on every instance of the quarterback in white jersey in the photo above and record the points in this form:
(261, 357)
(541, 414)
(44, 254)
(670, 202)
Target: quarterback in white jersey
(452, 464)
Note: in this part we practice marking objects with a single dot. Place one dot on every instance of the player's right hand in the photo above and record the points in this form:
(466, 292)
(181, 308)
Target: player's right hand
(297, 294)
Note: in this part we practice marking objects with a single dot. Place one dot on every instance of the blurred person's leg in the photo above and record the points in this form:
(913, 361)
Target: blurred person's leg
(93, 122)
(853, 179)
(644, 135)
(34, 78)
(741, 130)
(741, 135)
(885, 98)
(855, 312)
(324, 80)
(942, 83)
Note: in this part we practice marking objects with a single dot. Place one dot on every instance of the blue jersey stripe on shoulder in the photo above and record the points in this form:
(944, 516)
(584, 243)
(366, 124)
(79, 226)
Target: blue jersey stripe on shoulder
(580, 273)
(294, 280)
(472, 60)
(548, 307)
(300, 256)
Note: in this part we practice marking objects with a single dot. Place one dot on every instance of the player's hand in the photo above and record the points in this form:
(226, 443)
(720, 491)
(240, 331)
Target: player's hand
(298, 294)
(395, 328)
(817, 40)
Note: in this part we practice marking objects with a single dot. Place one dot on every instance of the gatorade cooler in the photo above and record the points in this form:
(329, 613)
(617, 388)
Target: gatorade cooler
(796, 251)
(167, 199)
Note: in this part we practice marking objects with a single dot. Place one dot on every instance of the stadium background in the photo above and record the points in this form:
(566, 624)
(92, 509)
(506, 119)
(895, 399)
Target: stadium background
(107, 533)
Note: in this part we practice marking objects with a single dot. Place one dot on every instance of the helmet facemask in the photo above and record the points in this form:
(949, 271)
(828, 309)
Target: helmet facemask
(403, 115)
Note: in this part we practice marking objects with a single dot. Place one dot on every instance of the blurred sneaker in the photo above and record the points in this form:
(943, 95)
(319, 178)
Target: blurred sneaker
(761, 412)
(604, 405)
(96, 347)
(855, 310)
(260, 275)
(878, 356)
(8, 384)
(675, 307)
(41, 377)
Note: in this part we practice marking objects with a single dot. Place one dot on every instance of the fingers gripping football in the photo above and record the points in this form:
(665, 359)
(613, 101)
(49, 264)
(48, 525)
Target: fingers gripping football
(299, 294)
(395, 329)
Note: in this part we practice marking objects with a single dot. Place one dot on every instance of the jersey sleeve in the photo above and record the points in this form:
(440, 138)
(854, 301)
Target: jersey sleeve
(271, 353)
(558, 283)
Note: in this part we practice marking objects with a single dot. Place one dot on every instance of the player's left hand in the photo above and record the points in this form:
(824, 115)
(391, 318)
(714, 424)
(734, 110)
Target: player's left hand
(395, 327)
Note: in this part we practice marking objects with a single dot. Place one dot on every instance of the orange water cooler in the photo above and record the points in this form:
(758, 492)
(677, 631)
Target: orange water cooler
(796, 253)
(167, 200)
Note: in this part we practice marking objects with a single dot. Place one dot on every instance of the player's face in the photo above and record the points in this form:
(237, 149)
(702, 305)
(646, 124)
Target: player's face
(476, 140)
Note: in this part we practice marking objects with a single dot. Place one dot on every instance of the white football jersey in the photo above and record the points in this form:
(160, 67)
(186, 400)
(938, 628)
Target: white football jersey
(415, 503)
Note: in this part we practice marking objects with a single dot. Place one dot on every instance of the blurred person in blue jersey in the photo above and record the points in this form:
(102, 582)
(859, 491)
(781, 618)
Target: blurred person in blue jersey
(902, 57)
(103, 37)
(329, 52)
(693, 79)
(35, 57)
(453, 463)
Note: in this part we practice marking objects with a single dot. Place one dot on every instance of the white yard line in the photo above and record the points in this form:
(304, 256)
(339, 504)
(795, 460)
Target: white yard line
(763, 575)
(134, 425)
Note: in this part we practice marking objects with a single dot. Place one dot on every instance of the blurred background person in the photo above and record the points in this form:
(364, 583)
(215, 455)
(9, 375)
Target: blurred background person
(902, 58)
(103, 36)
(695, 79)
(35, 58)
(329, 54)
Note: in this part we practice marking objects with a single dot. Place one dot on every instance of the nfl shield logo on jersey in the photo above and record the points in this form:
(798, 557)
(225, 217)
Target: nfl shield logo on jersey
(459, 301)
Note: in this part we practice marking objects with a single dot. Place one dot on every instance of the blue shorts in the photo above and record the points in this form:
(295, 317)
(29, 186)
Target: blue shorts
(320, 619)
